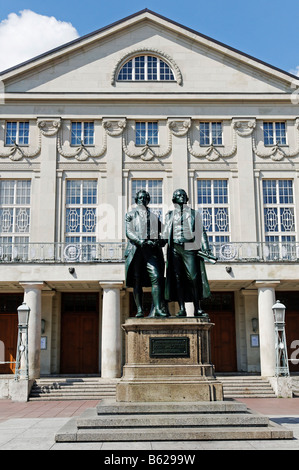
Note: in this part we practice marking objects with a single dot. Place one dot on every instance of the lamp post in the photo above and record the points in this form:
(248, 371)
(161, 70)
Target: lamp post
(282, 364)
(22, 364)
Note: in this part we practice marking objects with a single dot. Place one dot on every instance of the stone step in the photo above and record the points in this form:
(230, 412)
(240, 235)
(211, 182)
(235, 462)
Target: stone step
(114, 421)
(90, 419)
(85, 388)
(246, 387)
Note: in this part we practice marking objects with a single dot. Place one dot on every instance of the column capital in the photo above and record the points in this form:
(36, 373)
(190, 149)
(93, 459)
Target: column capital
(32, 284)
(272, 283)
(111, 284)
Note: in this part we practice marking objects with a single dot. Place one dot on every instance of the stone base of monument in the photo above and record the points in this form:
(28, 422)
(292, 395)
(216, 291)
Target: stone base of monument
(168, 392)
(168, 360)
(176, 421)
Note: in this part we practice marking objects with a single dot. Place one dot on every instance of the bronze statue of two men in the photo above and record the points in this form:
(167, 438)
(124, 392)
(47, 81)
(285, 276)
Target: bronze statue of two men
(188, 247)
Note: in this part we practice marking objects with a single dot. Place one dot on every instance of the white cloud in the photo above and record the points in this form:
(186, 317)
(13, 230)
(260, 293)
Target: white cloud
(28, 34)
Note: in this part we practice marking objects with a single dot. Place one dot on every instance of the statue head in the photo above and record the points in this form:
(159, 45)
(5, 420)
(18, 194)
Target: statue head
(180, 197)
(142, 198)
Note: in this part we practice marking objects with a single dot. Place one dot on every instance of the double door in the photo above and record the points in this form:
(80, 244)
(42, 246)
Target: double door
(79, 334)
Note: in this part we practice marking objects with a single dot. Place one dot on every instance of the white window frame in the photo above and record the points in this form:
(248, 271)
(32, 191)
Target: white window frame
(275, 138)
(82, 134)
(17, 140)
(146, 123)
(212, 208)
(279, 206)
(81, 236)
(210, 133)
(14, 241)
(146, 70)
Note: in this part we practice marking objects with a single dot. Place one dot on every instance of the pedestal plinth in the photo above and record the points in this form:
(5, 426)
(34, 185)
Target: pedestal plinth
(168, 360)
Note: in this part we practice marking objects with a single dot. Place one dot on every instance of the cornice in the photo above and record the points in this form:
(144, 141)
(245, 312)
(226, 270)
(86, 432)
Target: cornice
(149, 96)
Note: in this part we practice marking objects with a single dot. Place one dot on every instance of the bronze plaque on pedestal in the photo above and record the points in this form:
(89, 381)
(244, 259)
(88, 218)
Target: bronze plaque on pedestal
(169, 347)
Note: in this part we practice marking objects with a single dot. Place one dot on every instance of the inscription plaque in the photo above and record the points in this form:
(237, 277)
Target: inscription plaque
(169, 347)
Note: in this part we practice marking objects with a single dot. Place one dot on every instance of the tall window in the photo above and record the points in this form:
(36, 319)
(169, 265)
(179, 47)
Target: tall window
(82, 132)
(146, 68)
(15, 198)
(210, 133)
(212, 199)
(146, 133)
(274, 133)
(155, 189)
(81, 202)
(279, 216)
(17, 132)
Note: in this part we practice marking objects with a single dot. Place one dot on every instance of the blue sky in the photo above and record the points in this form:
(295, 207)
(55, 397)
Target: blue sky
(265, 29)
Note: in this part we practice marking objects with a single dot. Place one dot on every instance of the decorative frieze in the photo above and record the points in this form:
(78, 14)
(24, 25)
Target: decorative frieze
(212, 152)
(16, 152)
(276, 152)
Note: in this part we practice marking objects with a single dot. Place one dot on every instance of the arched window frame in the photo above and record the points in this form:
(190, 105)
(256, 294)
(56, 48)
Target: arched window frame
(148, 52)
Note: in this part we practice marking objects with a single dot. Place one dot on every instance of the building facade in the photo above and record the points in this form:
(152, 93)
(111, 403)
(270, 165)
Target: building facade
(145, 103)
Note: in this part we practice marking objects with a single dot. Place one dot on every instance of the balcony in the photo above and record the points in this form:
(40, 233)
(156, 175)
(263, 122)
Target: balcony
(113, 252)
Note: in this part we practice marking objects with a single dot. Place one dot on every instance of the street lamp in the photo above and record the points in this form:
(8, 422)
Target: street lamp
(22, 365)
(282, 364)
(23, 315)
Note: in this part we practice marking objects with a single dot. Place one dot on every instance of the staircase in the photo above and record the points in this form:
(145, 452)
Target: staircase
(97, 388)
(245, 386)
(73, 388)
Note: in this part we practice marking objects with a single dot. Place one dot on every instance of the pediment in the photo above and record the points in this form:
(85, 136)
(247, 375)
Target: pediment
(89, 64)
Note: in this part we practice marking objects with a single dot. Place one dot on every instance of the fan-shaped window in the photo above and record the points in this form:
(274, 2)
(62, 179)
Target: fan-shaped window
(147, 68)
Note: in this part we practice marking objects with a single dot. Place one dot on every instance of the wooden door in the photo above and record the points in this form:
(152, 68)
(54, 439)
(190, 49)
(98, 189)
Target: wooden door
(79, 334)
(220, 308)
(9, 331)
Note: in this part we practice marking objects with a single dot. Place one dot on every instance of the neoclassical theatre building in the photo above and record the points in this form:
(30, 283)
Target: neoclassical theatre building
(145, 103)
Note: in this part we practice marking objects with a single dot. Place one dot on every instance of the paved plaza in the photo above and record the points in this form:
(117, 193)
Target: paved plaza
(33, 425)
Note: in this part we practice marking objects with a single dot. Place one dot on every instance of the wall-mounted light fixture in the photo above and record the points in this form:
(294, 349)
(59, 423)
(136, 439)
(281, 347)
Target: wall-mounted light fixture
(43, 326)
(255, 324)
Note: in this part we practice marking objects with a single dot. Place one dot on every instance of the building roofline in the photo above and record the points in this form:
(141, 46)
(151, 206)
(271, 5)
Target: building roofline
(134, 15)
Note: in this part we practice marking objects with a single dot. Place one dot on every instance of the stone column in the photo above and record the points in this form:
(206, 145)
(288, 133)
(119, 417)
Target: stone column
(111, 332)
(32, 297)
(266, 299)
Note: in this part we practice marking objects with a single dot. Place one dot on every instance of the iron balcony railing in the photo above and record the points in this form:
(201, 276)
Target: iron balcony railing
(106, 252)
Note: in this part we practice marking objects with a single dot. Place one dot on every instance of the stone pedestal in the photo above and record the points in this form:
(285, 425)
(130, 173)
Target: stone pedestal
(168, 360)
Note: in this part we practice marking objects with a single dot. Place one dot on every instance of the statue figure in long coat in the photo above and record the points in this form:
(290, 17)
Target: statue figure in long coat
(188, 247)
(144, 262)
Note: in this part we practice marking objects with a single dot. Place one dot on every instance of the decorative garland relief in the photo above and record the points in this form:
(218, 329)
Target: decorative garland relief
(176, 127)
